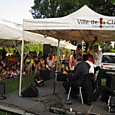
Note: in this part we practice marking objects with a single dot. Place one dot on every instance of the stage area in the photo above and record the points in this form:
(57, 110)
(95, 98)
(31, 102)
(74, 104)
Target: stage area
(45, 100)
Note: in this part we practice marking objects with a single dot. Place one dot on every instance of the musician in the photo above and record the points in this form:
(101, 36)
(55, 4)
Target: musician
(97, 55)
(79, 49)
(77, 79)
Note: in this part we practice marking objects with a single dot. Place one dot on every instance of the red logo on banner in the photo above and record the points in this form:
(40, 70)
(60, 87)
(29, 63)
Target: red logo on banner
(101, 19)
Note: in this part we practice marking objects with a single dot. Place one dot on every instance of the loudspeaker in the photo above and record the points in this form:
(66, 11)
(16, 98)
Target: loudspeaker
(30, 91)
(2, 88)
(61, 77)
(111, 81)
(46, 49)
(46, 74)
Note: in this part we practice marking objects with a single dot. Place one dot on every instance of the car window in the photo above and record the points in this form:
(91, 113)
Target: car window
(108, 59)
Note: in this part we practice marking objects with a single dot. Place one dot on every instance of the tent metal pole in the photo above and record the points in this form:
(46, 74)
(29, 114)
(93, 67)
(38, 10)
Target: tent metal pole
(28, 50)
(58, 55)
(55, 78)
(21, 67)
(16, 47)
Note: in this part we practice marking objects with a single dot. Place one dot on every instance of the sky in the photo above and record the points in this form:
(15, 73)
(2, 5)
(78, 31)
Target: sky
(16, 10)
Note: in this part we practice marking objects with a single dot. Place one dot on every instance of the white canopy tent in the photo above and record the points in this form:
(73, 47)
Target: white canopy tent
(83, 24)
(11, 33)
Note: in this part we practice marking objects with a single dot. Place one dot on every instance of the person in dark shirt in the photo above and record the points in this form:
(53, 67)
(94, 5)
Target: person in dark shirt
(77, 79)
(36, 65)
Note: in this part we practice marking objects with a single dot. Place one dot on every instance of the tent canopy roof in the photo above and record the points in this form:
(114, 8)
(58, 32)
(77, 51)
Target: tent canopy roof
(11, 33)
(83, 24)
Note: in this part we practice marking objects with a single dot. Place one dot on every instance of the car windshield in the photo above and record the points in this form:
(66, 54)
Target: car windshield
(108, 59)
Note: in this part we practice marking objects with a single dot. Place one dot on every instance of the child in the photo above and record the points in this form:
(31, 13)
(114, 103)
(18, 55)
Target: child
(18, 71)
(0, 70)
(14, 74)
(4, 74)
(7, 70)
(42, 63)
(10, 74)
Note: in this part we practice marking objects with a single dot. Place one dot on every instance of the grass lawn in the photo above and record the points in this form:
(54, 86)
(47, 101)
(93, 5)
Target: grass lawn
(12, 85)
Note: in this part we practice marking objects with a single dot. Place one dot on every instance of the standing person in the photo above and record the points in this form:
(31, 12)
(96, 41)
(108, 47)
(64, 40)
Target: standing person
(4, 54)
(97, 55)
(66, 62)
(79, 49)
(40, 54)
(61, 58)
(52, 55)
(70, 59)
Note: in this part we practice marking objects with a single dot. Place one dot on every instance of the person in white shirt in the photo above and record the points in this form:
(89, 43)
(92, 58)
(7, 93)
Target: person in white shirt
(92, 66)
(91, 70)
(79, 49)
(97, 55)
(14, 74)
(50, 63)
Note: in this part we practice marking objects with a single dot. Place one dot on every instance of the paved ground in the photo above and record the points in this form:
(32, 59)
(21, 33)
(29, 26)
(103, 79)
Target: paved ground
(46, 99)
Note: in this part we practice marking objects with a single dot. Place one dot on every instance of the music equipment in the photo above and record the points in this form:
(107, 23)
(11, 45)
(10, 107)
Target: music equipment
(61, 77)
(46, 74)
(111, 104)
(111, 82)
(65, 111)
(46, 49)
(39, 83)
(2, 88)
(111, 109)
(30, 91)
(109, 76)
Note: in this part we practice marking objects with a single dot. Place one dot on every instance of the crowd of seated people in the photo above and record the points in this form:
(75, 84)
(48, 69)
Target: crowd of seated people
(10, 67)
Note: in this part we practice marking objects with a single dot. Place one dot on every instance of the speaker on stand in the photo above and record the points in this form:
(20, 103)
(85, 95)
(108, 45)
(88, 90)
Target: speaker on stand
(46, 49)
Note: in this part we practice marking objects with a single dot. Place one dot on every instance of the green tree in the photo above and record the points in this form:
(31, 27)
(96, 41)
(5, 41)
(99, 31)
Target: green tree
(45, 8)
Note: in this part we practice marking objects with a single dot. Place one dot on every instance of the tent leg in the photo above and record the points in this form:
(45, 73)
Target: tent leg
(21, 67)
(55, 78)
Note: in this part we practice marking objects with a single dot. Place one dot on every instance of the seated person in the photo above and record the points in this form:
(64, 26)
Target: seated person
(9, 74)
(91, 70)
(50, 63)
(77, 79)
(0, 70)
(28, 63)
(7, 69)
(18, 72)
(14, 74)
(42, 63)
(63, 71)
(36, 65)
(4, 74)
